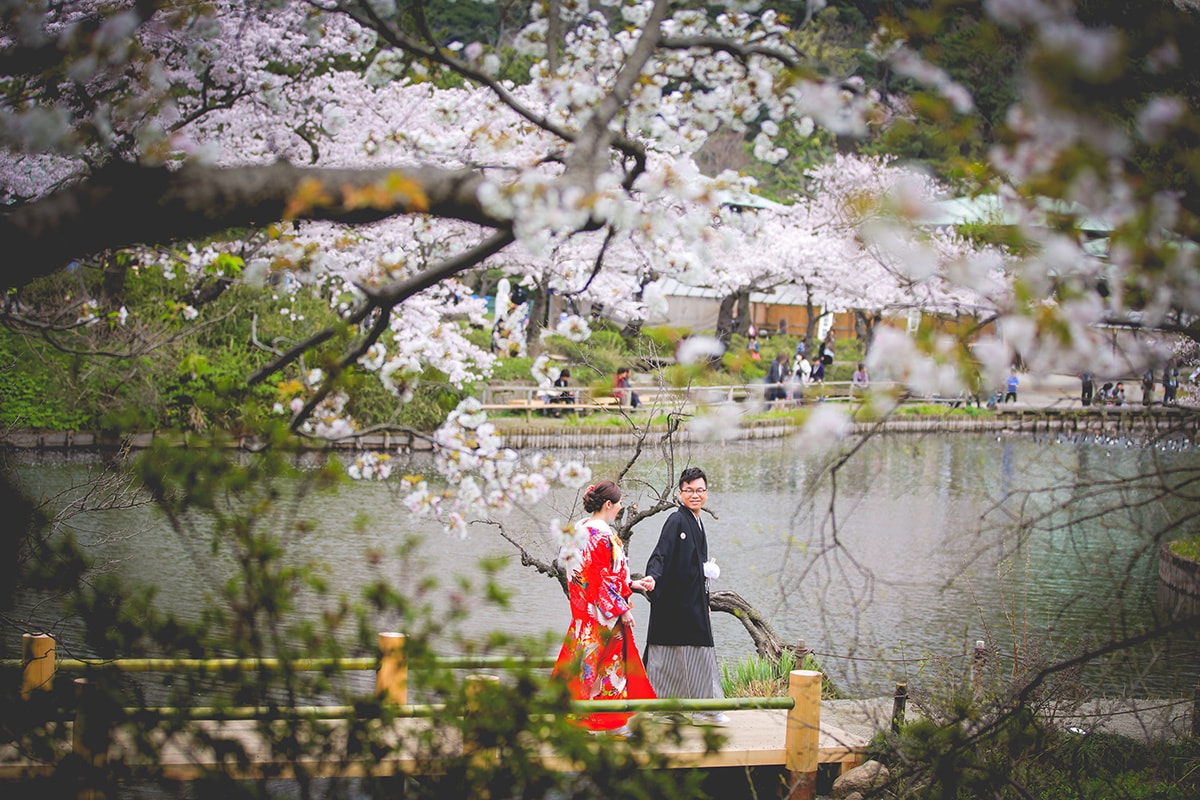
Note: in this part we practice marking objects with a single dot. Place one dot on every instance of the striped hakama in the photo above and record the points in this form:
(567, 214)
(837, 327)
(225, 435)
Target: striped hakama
(683, 671)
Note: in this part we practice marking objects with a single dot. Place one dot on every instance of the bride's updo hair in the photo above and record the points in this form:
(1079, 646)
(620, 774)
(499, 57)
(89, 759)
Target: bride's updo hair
(596, 496)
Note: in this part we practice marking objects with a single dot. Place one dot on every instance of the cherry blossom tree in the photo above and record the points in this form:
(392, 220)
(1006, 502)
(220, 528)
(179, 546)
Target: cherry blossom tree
(347, 146)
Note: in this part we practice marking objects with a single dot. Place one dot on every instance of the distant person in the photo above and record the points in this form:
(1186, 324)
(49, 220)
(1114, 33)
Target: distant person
(860, 379)
(1010, 387)
(1170, 383)
(752, 347)
(562, 382)
(1087, 386)
(599, 659)
(1147, 387)
(777, 376)
(1118, 395)
(621, 385)
(817, 378)
(803, 375)
(680, 658)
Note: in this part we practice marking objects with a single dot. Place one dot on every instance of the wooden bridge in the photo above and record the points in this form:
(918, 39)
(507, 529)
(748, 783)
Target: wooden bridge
(782, 732)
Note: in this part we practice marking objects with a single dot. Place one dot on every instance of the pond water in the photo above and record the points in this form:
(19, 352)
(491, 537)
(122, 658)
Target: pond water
(890, 566)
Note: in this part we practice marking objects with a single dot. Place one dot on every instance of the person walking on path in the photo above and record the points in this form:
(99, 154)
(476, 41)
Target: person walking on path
(599, 658)
(1170, 383)
(1010, 387)
(1087, 387)
(680, 658)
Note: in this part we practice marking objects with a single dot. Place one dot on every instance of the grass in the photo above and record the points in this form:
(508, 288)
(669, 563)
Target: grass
(1188, 548)
(755, 676)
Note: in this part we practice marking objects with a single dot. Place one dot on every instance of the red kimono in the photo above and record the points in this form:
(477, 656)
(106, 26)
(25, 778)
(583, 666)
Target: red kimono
(599, 660)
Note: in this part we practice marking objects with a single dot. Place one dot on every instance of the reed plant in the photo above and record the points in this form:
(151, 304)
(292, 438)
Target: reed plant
(758, 676)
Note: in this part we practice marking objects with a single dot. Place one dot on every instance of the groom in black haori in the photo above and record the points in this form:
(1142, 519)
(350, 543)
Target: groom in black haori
(680, 659)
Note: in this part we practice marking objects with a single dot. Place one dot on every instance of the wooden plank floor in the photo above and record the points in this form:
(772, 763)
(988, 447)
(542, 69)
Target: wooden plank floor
(752, 738)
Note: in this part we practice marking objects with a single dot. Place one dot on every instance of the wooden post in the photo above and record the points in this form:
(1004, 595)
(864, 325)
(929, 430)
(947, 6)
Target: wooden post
(1196, 712)
(803, 733)
(38, 655)
(899, 700)
(977, 665)
(89, 741)
(391, 681)
(476, 685)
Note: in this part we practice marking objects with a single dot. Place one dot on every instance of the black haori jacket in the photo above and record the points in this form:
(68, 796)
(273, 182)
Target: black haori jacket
(679, 602)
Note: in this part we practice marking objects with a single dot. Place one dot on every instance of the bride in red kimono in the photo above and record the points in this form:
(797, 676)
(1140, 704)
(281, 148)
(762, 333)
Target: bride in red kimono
(599, 660)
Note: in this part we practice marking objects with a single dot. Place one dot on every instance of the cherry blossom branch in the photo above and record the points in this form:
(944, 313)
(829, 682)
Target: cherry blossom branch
(383, 300)
(365, 16)
(591, 146)
(742, 52)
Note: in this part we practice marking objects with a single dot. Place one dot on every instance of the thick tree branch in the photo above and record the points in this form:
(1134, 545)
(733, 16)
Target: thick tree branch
(742, 52)
(123, 206)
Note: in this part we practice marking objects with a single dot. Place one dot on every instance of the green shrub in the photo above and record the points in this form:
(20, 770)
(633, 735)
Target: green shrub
(513, 370)
(663, 339)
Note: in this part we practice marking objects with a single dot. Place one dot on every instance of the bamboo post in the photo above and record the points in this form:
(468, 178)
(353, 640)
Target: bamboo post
(38, 656)
(89, 741)
(391, 680)
(803, 733)
(899, 700)
(477, 686)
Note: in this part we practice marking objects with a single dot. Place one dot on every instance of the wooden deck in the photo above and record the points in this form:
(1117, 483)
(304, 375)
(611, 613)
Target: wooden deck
(753, 738)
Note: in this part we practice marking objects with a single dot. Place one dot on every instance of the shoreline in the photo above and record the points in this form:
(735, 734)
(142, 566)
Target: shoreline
(559, 433)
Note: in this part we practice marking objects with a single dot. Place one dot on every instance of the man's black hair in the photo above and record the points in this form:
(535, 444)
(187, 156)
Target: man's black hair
(690, 474)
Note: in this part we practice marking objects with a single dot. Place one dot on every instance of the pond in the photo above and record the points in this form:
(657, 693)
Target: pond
(890, 566)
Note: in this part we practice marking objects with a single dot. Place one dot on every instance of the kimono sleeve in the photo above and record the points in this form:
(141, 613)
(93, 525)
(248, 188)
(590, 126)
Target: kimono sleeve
(606, 588)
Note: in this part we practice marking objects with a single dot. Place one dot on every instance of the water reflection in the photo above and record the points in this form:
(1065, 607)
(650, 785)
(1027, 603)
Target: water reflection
(890, 564)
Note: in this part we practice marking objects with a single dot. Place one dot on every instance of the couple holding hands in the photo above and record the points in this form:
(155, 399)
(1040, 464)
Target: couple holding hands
(599, 659)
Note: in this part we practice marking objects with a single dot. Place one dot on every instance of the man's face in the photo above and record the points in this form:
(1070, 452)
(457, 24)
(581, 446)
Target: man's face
(693, 494)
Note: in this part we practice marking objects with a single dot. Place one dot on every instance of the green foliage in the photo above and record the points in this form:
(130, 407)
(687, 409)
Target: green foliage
(1188, 548)
(513, 370)
(757, 676)
(663, 339)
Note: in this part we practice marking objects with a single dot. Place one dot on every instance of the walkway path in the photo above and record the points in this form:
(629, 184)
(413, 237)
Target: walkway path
(1146, 720)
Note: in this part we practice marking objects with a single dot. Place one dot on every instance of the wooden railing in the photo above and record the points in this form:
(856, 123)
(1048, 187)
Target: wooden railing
(800, 753)
(518, 397)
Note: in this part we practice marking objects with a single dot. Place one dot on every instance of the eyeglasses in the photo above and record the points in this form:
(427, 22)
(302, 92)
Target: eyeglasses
(693, 491)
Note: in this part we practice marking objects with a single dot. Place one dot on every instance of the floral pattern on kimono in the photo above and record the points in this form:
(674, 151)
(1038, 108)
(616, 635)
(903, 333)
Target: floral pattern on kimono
(599, 659)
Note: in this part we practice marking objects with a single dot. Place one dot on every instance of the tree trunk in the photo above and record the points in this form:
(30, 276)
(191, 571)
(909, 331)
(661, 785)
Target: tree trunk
(743, 326)
(766, 642)
(116, 269)
(810, 329)
(539, 305)
(864, 327)
(725, 318)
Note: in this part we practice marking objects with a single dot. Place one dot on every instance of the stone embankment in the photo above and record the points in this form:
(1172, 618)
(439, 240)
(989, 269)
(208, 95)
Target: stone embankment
(550, 433)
